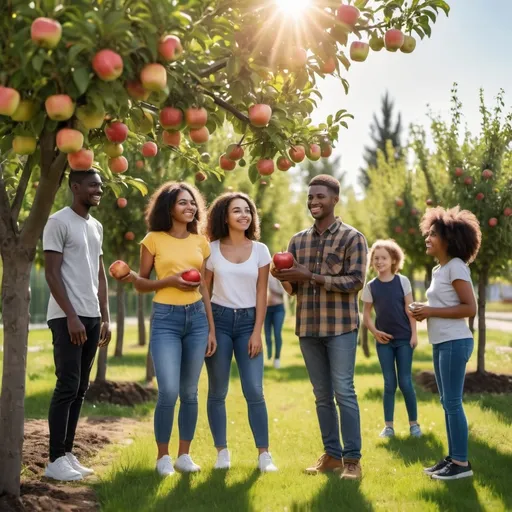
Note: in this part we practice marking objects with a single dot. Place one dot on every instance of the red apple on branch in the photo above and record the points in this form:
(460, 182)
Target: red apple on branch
(108, 65)
(314, 152)
(122, 202)
(59, 107)
(45, 32)
(9, 100)
(69, 140)
(149, 149)
(259, 115)
(468, 180)
(283, 260)
(487, 174)
(153, 77)
(130, 236)
(171, 118)
(493, 222)
(118, 164)
(22, 145)
(399, 202)
(235, 152)
(226, 164)
(200, 176)
(359, 51)
(196, 117)
(116, 132)
(171, 138)
(459, 172)
(81, 160)
(480, 196)
(89, 118)
(200, 135)
(507, 211)
(347, 16)
(326, 150)
(112, 150)
(394, 40)
(265, 166)
(297, 154)
(283, 164)
(169, 47)
(328, 66)
(119, 269)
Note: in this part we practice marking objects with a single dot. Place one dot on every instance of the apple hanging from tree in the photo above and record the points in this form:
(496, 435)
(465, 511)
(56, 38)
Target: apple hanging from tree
(329, 65)
(297, 154)
(9, 100)
(81, 160)
(298, 58)
(393, 40)
(314, 152)
(487, 174)
(69, 140)
(493, 222)
(359, 51)
(122, 202)
(409, 44)
(398, 229)
(429, 202)
(59, 107)
(399, 202)
(283, 164)
(192, 276)
(259, 115)
(200, 176)
(153, 77)
(136, 90)
(480, 196)
(169, 47)
(226, 164)
(265, 166)
(22, 145)
(468, 180)
(376, 43)
(108, 65)
(116, 132)
(326, 150)
(347, 16)
(89, 118)
(25, 111)
(112, 150)
(196, 118)
(507, 211)
(171, 118)
(171, 138)
(130, 236)
(235, 152)
(200, 135)
(149, 149)
(45, 32)
(118, 164)
(139, 164)
(119, 269)
(459, 172)
(283, 260)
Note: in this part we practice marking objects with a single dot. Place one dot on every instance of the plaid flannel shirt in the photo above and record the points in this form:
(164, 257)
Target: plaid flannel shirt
(339, 255)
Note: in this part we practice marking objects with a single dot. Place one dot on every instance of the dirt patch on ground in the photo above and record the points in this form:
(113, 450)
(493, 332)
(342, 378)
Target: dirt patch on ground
(474, 383)
(48, 496)
(119, 393)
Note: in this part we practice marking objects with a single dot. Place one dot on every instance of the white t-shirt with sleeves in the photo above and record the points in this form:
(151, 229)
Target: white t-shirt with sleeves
(442, 294)
(234, 284)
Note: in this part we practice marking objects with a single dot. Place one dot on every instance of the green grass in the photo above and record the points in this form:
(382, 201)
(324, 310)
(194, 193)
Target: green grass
(499, 307)
(393, 479)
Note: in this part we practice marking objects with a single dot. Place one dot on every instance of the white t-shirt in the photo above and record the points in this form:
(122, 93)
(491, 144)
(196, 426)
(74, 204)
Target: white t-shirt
(442, 294)
(234, 284)
(79, 240)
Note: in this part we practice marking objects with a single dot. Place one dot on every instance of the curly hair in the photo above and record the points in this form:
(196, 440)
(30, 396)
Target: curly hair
(460, 229)
(393, 249)
(326, 180)
(158, 211)
(217, 226)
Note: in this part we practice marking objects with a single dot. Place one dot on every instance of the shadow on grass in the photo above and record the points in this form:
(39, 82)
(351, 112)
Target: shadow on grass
(501, 405)
(426, 449)
(455, 495)
(139, 487)
(336, 494)
(287, 373)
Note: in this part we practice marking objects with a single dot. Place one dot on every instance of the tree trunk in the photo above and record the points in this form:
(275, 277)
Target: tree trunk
(15, 312)
(120, 319)
(101, 371)
(364, 340)
(141, 320)
(482, 299)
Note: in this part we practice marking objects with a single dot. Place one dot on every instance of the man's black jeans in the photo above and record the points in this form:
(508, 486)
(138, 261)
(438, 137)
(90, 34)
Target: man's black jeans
(73, 364)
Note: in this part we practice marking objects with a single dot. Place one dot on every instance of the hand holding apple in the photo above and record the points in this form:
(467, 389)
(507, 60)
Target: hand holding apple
(119, 270)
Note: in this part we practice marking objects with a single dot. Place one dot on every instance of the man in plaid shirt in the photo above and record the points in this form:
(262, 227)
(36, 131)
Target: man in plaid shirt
(328, 272)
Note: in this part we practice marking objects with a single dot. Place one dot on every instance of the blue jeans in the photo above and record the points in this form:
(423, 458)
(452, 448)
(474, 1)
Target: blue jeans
(450, 360)
(233, 328)
(178, 341)
(396, 358)
(274, 318)
(330, 362)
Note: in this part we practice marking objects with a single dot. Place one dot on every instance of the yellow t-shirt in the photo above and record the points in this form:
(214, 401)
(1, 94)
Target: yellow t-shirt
(173, 255)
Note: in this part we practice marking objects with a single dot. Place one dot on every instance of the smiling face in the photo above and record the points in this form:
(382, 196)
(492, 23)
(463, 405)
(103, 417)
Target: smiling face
(435, 244)
(88, 192)
(239, 215)
(185, 208)
(382, 261)
(321, 201)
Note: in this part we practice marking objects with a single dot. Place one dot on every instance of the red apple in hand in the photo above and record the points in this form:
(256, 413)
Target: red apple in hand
(283, 260)
(119, 269)
(192, 276)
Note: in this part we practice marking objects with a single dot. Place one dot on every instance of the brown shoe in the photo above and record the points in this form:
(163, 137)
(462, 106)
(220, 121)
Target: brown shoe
(351, 470)
(325, 464)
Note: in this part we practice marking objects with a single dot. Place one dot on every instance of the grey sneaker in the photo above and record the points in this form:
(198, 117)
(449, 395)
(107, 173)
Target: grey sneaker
(415, 430)
(387, 432)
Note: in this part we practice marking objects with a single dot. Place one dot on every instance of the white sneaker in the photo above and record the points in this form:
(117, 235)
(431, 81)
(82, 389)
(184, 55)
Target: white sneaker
(185, 464)
(277, 364)
(164, 466)
(223, 460)
(77, 466)
(265, 463)
(60, 469)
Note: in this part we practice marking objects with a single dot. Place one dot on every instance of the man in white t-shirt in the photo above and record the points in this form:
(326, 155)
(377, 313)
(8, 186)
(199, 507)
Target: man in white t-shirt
(78, 314)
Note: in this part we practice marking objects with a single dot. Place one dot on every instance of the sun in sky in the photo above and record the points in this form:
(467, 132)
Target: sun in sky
(294, 8)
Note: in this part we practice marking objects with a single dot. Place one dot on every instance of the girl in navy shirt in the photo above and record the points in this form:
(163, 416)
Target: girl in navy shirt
(394, 329)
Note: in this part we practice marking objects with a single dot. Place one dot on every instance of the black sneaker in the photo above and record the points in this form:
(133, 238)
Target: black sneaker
(453, 472)
(437, 467)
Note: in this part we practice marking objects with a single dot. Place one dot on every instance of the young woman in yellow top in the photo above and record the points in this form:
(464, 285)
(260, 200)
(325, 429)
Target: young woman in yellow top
(182, 329)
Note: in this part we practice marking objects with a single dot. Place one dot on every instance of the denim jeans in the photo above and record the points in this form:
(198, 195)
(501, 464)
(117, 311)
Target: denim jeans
(274, 319)
(233, 328)
(73, 364)
(179, 337)
(330, 362)
(450, 360)
(396, 358)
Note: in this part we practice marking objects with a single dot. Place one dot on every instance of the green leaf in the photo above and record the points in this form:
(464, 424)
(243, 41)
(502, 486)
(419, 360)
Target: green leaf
(138, 184)
(37, 62)
(253, 173)
(82, 78)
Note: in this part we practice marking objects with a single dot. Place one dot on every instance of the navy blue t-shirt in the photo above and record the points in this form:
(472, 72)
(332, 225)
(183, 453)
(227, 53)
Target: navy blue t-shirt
(389, 302)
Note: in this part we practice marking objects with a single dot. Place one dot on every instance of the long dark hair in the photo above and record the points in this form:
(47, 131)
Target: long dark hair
(217, 226)
(161, 204)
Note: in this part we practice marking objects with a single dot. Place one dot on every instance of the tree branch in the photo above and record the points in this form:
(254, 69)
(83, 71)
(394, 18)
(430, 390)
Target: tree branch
(21, 190)
(216, 66)
(5, 209)
(226, 106)
(51, 171)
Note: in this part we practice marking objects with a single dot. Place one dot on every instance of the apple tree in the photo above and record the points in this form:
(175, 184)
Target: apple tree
(78, 74)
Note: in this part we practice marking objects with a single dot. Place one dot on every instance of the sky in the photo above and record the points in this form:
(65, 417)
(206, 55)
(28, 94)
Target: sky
(471, 47)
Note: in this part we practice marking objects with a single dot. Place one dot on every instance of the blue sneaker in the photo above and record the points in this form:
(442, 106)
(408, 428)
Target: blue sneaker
(415, 430)
(387, 432)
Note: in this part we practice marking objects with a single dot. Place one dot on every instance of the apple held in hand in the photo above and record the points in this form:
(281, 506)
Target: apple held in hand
(192, 276)
(283, 260)
(119, 269)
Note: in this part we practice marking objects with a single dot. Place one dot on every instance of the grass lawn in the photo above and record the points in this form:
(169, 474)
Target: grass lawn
(393, 478)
